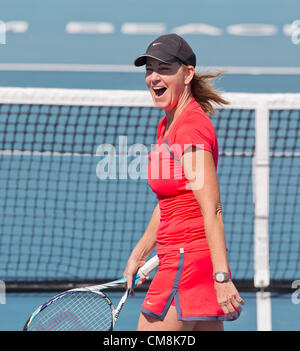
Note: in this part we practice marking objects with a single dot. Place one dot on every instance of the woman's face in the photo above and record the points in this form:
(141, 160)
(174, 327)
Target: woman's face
(166, 82)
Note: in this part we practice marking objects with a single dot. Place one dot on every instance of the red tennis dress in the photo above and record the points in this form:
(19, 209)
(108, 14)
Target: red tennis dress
(185, 274)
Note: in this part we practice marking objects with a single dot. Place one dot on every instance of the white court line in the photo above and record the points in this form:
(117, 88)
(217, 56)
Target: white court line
(53, 153)
(67, 67)
(247, 70)
(41, 153)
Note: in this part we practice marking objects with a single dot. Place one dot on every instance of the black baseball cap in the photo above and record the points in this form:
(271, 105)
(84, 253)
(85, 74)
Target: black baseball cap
(169, 48)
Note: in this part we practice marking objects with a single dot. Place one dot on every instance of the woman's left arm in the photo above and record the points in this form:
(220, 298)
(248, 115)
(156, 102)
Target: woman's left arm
(199, 169)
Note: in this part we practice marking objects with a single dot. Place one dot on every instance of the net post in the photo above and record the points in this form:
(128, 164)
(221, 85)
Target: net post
(2, 292)
(263, 311)
(261, 213)
(261, 205)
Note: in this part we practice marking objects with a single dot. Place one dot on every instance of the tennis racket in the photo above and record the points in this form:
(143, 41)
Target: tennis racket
(84, 309)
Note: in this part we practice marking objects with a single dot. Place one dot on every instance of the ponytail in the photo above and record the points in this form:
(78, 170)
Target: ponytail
(204, 93)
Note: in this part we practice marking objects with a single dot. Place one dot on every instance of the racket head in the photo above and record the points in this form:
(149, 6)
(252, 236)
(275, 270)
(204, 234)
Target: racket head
(65, 311)
(77, 310)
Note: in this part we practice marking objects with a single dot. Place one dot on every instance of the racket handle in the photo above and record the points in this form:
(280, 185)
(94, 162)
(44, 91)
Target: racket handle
(148, 267)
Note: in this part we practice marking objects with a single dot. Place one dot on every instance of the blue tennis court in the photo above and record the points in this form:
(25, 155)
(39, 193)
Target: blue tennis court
(285, 314)
(90, 45)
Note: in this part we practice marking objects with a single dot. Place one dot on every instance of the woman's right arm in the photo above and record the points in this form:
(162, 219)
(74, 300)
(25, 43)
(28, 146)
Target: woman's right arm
(143, 248)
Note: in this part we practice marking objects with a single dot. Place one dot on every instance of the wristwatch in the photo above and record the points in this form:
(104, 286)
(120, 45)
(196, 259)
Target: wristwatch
(221, 277)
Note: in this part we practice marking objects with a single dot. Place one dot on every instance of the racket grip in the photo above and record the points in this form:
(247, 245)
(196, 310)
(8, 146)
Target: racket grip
(148, 267)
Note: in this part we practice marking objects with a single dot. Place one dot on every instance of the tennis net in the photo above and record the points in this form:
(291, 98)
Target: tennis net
(68, 217)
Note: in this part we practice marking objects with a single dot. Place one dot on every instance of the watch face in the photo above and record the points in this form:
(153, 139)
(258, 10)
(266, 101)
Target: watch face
(220, 277)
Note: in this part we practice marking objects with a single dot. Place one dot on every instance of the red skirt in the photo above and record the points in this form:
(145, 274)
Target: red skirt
(184, 279)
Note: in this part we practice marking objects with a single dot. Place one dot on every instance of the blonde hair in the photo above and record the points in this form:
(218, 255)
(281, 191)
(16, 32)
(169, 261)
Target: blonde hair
(203, 91)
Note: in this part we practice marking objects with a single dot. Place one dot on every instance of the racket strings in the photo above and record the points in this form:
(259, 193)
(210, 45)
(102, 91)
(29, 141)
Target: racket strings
(75, 311)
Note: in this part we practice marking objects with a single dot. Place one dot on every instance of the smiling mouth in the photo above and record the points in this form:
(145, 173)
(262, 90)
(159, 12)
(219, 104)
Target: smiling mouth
(159, 91)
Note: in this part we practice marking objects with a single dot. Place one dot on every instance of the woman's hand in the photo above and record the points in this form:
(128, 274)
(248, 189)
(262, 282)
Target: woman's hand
(132, 267)
(229, 298)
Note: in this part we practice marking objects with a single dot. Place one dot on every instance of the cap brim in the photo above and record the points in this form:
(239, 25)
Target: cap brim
(141, 60)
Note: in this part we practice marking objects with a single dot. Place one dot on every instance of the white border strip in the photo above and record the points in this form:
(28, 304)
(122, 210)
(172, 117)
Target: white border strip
(140, 98)
(61, 67)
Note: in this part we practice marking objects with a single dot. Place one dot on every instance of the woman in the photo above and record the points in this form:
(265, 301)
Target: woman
(192, 289)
